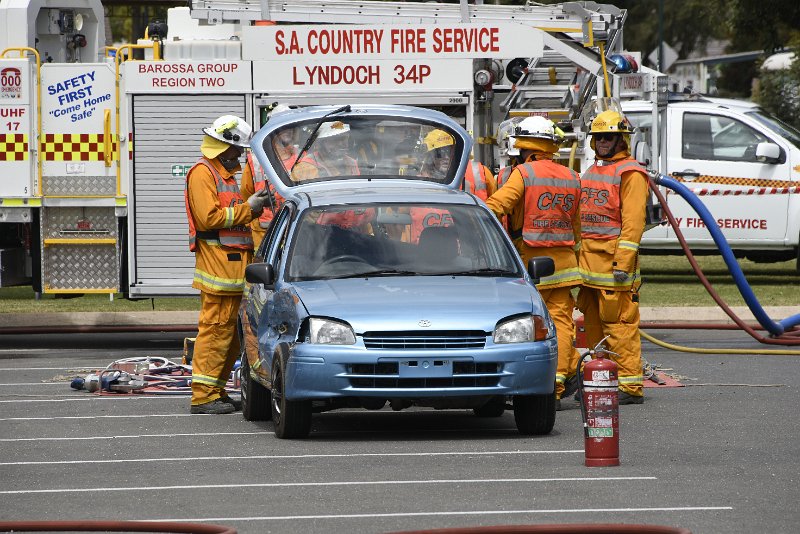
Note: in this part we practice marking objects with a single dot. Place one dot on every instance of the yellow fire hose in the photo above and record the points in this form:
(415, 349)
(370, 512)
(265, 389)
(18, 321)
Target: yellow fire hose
(680, 348)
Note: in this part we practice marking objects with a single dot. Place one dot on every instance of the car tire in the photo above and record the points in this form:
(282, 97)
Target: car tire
(535, 415)
(256, 399)
(292, 419)
(495, 407)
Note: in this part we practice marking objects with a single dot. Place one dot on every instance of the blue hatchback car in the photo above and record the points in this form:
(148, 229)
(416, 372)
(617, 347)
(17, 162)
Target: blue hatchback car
(380, 282)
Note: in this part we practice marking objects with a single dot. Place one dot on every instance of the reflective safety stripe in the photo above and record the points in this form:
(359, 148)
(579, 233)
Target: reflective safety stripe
(638, 379)
(631, 245)
(208, 380)
(531, 180)
(572, 274)
(218, 283)
(602, 230)
(613, 180)
(605, 279)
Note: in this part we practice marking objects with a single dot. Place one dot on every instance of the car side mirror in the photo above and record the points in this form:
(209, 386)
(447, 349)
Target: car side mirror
(769, 153)
(260, 273)
(540, 266)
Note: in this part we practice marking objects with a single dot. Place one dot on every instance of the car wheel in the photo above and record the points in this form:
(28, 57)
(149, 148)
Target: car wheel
(493, 408)
(292, 419)
(256, 399)
(535, 414)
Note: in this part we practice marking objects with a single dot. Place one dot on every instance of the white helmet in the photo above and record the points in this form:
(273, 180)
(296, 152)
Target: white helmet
(329, 129)
(505, 136)
(278, 109)
(232, 130)
(539, 128)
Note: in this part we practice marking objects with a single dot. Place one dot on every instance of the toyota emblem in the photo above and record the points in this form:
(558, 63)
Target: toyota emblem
(424, 323)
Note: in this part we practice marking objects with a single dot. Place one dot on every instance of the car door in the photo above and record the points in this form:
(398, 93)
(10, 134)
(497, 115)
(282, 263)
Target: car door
(261, 299)
(713, 153)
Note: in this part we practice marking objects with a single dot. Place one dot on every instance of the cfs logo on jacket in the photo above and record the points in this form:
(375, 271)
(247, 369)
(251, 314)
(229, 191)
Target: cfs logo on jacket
(10, 83)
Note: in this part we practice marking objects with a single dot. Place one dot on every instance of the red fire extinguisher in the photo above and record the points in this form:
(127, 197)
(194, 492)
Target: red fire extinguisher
(600, 411)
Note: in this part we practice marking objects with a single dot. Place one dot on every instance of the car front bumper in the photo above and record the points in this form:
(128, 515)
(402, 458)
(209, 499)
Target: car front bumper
(326, 371)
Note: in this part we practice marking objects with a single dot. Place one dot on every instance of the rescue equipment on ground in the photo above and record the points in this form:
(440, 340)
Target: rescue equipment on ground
(598, 395)
(146, 375)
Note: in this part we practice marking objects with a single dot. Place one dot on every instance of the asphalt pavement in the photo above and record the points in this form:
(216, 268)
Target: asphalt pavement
(717, 455)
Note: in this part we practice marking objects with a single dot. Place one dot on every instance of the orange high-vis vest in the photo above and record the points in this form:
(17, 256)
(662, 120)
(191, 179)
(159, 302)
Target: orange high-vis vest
(350, 168)
(238, 237)
(259, 183)
(601, 216)
(552, 196)
(503, 175)
(475, 180)
(422, 218)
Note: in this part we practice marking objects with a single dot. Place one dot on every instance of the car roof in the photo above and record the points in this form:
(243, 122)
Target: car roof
(398, 191)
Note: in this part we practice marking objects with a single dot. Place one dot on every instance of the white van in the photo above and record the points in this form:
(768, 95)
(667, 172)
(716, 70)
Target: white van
(745, 166)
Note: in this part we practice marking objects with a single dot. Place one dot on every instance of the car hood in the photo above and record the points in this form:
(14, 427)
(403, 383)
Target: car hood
(400, 303)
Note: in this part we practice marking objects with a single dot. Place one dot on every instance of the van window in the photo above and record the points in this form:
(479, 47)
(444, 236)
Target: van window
(714, 137)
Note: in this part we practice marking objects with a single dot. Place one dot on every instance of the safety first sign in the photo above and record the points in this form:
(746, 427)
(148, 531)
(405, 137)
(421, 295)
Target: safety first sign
(387, 57)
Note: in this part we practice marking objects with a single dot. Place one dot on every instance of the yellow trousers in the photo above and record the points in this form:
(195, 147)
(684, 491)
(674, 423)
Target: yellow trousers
(560, 304)
(216, 347)
(615, 314)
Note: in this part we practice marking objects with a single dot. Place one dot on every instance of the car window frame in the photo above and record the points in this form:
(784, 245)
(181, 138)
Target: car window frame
(713, 151)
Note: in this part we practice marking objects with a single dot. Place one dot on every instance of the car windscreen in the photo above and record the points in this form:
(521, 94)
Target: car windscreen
(399, 240)
(776, 125)
(371, 147)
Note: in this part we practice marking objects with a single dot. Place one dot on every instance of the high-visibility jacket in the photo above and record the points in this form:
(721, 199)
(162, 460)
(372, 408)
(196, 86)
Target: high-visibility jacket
(502, 176)
(422, 218)
(508, 220)
(354, 218)
(219, 266)
(229, 235)
(511, 199)
(552, 195)
(310, 166)
(613, 206)
(479, 180)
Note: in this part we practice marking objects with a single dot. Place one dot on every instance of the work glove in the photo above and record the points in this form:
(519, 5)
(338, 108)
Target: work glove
(258, 200)
(620, 276)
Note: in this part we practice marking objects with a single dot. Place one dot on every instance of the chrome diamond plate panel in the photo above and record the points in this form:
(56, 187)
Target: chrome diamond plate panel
(80, 267)
(78, 222)
(77, 185)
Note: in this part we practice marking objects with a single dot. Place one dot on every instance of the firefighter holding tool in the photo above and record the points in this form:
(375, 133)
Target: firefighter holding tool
(220, 237)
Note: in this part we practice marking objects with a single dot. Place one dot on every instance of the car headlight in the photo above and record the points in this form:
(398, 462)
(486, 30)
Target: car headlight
(521, 330)
(328, 332)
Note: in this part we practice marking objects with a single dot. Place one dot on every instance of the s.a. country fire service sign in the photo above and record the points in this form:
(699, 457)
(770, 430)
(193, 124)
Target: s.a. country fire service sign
(386, 57)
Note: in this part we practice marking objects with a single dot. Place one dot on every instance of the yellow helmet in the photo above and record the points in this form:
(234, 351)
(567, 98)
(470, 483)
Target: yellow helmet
(610, 121)
(437, 139)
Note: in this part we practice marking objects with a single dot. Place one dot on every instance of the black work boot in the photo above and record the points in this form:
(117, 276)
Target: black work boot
(236, 403)
(570, 386)
(627, 398)
(217, 406)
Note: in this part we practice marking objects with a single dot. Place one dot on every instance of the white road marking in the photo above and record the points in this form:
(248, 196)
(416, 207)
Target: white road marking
(455, 513)
(121, 396)
(326, 484)
(290, 456)
(26, 419)
(60, 383)
(139, 436)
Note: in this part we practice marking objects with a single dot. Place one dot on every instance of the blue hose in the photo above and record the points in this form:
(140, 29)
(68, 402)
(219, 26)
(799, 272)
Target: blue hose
(774, 328)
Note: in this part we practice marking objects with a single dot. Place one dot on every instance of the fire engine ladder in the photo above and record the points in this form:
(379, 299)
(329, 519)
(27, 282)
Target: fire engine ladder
(563, 80)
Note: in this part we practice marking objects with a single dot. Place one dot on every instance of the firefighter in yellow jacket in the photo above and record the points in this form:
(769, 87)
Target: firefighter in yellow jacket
(613, 205)
(548, 194)
(220, 237)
